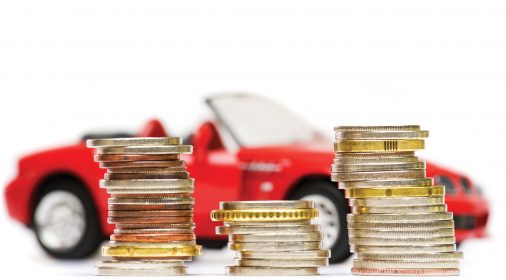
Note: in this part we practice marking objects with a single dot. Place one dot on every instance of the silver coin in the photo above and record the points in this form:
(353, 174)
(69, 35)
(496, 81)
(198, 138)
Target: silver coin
(161, 190)
(416, 226)
(374, 241)
(150, 201)
(140, 271)
(378, 175)
(284, 237)
(339, 160)
(147, 183)
(385, 128)
(275, 246)
(266, 229)
(402, 249)
(414, 257)
(397, 201)
(145, 150)
(305, 254)
(344, 168)
(266, 204)
(282, 262)
(394, 218)
(271, 271)
(395, 234)
(399, 210)
(387, 183)
(349, 135)
(134, 141)
(405, 264)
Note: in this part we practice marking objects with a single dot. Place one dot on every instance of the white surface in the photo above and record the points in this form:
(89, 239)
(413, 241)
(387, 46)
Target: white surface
(70, 66)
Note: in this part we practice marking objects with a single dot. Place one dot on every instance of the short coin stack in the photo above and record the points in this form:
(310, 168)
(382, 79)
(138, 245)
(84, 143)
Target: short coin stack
(399, 223)
(272, 237)
(151, 205)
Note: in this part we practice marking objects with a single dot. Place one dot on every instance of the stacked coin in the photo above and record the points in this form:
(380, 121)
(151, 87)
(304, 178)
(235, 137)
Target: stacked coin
(150, 203)
(272, 237)
(399, 223)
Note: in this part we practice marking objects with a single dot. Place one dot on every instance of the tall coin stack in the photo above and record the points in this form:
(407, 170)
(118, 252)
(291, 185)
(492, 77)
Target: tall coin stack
(150, 203)
(272, 237)
(399, 223)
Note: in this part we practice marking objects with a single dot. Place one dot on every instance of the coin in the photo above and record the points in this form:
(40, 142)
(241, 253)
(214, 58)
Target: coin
(399, 210)
(393, 218)
(378, 145)
(428, 256)
(407, 272)
(374, 241)
(402, 249)
(166, 175)
(266, 229)
(378, 175)
(275, 246)
(134, 141)
(145, 251)
(266, 204)
(137, 157)
(155, 213)
(284, 237)
(424, 191)
(424, 233)
(147, 170)
(387, 183)
(142, 164)
(155, 237)
(274, 271)
(282, 262)
(376, 167)
(150, 220)
(382, 134)
(160, 191)
(306, 254)
(146, 150)
(140, 271)
(397, 201)
(386, 264)
(377, 128)
(429, 225)
(151, 183)
(264, 215)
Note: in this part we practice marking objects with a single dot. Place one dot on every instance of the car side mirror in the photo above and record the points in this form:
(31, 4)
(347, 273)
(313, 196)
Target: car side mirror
(202, 141)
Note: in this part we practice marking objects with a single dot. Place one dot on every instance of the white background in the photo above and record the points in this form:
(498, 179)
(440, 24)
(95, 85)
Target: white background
(67, 67)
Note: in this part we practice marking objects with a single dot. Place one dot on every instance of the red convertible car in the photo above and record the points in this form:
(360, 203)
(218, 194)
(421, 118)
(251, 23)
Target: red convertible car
(254, 149)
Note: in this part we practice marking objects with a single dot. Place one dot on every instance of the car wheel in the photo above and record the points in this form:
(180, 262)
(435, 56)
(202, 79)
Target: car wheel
(65, 220)
(332, 207)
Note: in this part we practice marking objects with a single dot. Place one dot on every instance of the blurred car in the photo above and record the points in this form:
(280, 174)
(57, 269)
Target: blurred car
(254, 150)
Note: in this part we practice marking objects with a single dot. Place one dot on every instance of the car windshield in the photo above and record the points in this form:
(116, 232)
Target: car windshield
(256, 121)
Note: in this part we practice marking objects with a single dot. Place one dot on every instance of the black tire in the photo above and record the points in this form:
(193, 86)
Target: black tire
(341, 248)
(212, 243)
(92, 237)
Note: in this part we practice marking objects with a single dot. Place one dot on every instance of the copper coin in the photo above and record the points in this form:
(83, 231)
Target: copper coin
(152, 237)
(147, 170)
(159, 213)
(150, 220)
(190, 225)
(406, 272)
(144, 207)
(153, 230)
(114, 158)
(140, 164)
(151, 195)
(129, 176)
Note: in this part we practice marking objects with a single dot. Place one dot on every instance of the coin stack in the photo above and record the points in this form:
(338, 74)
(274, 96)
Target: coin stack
(272, 237)
(150, 203)
(399, 223)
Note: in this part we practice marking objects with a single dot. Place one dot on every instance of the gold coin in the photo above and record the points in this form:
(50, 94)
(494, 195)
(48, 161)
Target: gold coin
(425, 191)
(165, 251)
(264, 215)
(401, 145)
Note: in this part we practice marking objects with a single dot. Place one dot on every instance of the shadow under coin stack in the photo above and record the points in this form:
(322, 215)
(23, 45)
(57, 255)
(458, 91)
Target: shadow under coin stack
(151, 205)
(399, 223)
(272, 237)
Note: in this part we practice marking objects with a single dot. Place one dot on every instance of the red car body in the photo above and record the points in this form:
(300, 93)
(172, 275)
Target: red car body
(249, 173)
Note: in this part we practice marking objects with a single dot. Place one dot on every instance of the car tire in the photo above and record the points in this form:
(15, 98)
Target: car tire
(333, 207)
(212, 243)
(65, 220)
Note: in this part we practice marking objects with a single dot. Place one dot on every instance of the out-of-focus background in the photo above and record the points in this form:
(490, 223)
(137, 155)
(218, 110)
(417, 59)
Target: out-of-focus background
(68, 67)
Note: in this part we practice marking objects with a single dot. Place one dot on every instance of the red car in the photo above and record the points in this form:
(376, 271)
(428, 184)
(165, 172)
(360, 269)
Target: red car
(255, 149)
